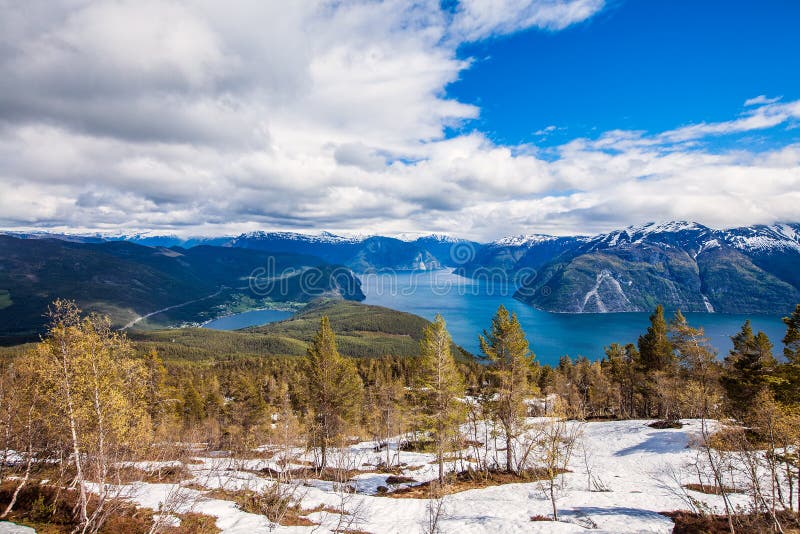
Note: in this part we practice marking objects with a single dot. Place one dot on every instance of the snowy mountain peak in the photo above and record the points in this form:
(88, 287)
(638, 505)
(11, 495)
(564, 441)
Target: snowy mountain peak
(523, 240)
(664, 228)
(682, 231)
(322, 237)
(762, 238)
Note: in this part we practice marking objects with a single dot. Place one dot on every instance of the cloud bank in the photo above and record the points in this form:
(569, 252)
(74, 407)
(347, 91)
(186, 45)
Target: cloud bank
(198, 117)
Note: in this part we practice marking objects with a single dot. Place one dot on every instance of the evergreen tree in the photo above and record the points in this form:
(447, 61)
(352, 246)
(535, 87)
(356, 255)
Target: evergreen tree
(655, 350)
(791, 341)
(621, 364)
(192, 406)
(156, 384)
(511, 361)
(698, 360)
(747, 368)
(440, 386)
(657, 365)
(335, 390)
(788, 391)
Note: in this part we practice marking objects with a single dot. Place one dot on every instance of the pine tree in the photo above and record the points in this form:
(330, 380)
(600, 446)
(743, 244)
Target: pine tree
(747, 368)
(699, 363)
(791, 341)
(335, 390)
(511, 361)
(788, 391)
(156, 384)
(655, 350)
(622, 366)
(657, 363)
(192, 406)
(440, 386)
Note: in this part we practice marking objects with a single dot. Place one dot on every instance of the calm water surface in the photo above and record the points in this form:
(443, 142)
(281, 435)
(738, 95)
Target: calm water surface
(249, 318)
(468, 307)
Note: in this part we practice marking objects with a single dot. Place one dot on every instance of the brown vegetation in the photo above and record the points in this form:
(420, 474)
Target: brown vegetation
(468, 480)
(694, 523)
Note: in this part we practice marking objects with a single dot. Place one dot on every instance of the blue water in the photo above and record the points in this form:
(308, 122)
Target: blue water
(468, 307)
(249, 318)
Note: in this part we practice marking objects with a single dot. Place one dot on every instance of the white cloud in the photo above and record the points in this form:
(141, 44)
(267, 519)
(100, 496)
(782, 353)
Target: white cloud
(766, 114)
(760, 99)
(195, 117)
(478, 19)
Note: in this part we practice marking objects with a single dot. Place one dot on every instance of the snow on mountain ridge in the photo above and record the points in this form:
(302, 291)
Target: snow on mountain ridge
(322, 237)
(762, 238)
(523, 240)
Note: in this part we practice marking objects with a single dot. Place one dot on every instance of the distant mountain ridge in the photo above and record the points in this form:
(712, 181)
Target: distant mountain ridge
(681, 264)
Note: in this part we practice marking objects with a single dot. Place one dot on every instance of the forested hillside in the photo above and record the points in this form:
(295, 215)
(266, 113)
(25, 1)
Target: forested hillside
(362, 331)
(124, 281)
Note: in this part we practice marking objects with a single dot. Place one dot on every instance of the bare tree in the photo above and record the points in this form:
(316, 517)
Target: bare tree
(435, 510)
(557, 438)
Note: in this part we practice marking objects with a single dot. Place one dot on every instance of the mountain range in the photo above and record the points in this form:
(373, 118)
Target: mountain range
(685, 265)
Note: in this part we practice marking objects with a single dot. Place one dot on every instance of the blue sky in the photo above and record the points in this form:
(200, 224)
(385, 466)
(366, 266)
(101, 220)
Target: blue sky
(638, 65)
(476, 118)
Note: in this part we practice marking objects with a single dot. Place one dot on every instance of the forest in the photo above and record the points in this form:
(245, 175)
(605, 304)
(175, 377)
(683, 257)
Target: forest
(83, 410)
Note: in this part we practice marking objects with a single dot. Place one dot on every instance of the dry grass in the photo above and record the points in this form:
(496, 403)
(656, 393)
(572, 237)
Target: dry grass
(48, 510)
(248, 501)
(399, 479)
(664, 425)
(467, 480)
(172, 474)
(327, 474)
(691, 523)
(710, 490)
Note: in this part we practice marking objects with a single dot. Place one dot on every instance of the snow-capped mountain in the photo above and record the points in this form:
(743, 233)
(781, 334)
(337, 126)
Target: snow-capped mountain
(523, 240)
(763, 239)
(322, 237)
(679, 264)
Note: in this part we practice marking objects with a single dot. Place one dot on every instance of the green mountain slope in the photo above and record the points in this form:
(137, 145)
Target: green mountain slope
(639, 275)
(362, 331)
(125, 281)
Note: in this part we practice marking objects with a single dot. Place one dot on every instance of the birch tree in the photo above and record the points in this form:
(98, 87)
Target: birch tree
(94, 399)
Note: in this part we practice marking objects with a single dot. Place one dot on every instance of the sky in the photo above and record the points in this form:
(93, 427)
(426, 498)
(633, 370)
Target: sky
(474, 118)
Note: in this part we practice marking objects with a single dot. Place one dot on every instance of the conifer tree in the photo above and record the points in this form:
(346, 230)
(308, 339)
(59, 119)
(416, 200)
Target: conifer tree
(156, 384)
(747, 368)
(699, 363)
(622, 366)
(335, 390)
(440, 386)
(791, 341)
(511, 361)
(789, 391)
(655, 350)
(657, 363)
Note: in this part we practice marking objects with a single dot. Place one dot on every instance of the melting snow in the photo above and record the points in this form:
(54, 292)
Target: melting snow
(632, 460)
